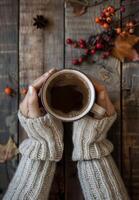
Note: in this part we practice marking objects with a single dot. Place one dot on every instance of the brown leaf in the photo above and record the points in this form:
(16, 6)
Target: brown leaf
(125, 48)
(78, 9)
(8, 151)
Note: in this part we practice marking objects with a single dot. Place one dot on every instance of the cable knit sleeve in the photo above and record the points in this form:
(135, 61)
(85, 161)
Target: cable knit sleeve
(98, 175)
(89, 138)
(40, 152)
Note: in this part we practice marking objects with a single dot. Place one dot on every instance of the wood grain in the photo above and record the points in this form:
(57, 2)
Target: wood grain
(130, 128)
(106, 71)
(41, 50)
(8, 77)
(130, 133)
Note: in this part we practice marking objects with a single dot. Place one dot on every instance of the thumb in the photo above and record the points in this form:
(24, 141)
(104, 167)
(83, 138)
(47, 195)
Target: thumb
(33, 105)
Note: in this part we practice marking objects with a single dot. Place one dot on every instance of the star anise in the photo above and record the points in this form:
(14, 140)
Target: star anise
(40, 22)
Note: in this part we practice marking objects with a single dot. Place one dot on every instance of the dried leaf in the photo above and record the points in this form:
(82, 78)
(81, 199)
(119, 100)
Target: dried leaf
(8, 151)
(78, 9)
(125, 48)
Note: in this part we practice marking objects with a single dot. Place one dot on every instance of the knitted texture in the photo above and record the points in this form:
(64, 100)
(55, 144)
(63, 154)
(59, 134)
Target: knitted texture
(40, 152)
(98, 174)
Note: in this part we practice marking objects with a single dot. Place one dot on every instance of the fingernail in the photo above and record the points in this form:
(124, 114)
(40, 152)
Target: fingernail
(30, 90)
(49, 72)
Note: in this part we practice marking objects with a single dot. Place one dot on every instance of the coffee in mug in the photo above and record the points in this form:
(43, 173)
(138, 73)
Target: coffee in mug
(68, 95)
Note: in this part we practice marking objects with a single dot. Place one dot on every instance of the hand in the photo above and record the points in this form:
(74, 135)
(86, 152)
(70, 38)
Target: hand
(30, 105)
(103, 98)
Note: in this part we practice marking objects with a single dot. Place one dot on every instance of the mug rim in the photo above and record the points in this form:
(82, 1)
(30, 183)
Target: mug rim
(75, 72)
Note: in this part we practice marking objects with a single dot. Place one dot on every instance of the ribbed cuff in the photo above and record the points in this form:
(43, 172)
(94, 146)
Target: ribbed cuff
(46, 132)
(89, 138)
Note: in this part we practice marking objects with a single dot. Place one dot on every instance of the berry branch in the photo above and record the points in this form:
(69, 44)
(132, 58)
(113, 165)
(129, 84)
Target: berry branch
(102, 43)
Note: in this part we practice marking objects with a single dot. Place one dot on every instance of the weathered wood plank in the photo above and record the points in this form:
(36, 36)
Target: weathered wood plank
(8, 77)
(107, 71)
(130, 127)
(72, 185)
(130, 135)
(41, 50)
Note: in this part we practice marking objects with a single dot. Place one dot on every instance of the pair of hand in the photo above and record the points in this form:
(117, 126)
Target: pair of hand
(30, 105)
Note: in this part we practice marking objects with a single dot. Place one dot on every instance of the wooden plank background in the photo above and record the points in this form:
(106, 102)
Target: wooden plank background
(27, 52)
(8, 77)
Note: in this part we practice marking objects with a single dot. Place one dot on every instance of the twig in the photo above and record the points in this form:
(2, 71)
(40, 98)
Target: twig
(131, 15)
(137, 24)
(86, 3)
(129, 3)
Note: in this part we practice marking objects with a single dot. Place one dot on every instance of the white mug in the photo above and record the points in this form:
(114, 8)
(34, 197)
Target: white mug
(83, 84)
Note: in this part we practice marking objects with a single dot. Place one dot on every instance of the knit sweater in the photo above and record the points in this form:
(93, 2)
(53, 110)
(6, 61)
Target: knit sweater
(98, 174)
(40, 152)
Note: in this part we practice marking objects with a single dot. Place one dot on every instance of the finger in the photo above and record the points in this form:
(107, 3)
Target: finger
(24, 106)
(104, 101)
(38, 82)
(101, 101)
(33, 105)
(109, 106)
(98, 85)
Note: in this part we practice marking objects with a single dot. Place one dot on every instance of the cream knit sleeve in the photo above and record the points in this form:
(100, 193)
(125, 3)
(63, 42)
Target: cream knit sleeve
(40, 152)
(98, 175)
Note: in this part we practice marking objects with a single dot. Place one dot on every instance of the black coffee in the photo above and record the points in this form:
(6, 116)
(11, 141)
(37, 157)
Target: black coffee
(66, 98)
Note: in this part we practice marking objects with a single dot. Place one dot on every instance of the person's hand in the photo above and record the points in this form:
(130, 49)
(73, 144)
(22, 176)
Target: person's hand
(29, 107)
(102, 97)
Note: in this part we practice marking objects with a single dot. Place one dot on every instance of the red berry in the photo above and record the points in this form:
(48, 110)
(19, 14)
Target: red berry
(118, 30)
(111, 9)
(75, 62)
(107, 14)
(81, 41)
(103, 15)
(106, 25)
(69, 41)
(87, 51)
(81, 60)
(131, 24)
(82, 46)
(99, 46)
(122, 9)
(8, 90)
(93, 51)
(97, 20)
(104, 10)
